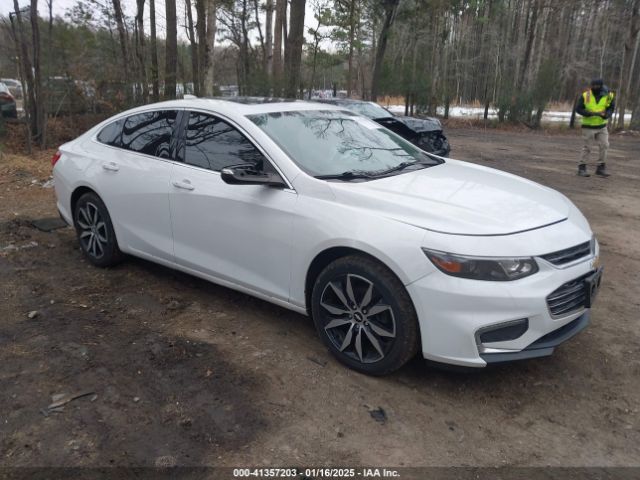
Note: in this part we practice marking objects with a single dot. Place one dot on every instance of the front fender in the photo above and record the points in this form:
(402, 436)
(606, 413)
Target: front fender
(321, 225)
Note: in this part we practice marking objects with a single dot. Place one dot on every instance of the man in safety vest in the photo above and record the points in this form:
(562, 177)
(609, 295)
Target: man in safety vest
(596, 106)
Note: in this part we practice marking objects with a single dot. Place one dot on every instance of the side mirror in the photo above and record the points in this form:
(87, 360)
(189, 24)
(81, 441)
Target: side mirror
(248, 175)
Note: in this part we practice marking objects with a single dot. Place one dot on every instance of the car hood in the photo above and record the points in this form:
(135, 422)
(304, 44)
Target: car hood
(458, 198)
(418, 125)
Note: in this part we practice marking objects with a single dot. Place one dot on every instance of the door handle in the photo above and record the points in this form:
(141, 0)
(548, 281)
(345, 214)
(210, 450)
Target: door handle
(111, 166)
(184, 184)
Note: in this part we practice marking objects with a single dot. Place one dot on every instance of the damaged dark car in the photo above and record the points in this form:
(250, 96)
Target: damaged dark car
(425, 133)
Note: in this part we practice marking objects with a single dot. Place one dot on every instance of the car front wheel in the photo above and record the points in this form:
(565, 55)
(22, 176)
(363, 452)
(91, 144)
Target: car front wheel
(364, 315)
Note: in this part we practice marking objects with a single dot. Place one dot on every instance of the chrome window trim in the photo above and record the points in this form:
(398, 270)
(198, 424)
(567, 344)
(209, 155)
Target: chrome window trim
(248, 136)
(94, 139)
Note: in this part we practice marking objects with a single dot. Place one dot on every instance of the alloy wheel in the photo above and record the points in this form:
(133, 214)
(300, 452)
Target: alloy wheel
(93, 230)
(357, 318)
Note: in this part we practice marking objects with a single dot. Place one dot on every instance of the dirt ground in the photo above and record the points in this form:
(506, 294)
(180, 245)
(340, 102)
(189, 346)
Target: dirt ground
(179, 371)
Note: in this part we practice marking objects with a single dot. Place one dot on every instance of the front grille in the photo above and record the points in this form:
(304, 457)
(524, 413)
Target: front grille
(568, 254)
(568, 298)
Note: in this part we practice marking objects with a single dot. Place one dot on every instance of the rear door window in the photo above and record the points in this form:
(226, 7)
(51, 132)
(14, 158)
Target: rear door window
(214, 144)
(112, 134)
(149, 133)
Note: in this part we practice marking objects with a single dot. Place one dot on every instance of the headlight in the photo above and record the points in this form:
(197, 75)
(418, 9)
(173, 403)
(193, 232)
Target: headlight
(482, 268)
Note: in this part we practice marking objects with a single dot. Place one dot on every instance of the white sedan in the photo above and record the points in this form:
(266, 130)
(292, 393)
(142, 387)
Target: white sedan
(390, 250)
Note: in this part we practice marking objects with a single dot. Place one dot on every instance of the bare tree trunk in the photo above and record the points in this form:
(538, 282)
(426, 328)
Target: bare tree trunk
(140, 49)
(360, 70)
(171, 59)
(390, 9)
(281, 19)
(432, 101)
(154, 51)
(29, 100)
(604, 36)
(201, 31)
(39, 121)
(524, 67)
(313, 67)
(245, 48)
(284, 23)
(414, 64)
(47, 88)
(317, 37)
(293, 50)
(635, 110)
(632, 96)
(628, 63)
(269, 38)
(563, 49)
(539, 47)
(445, 75)
(515, 40)
(193, 48)
(635, 114)
(572, 120)
(263, 47)
(122, 34)
(486, 60)
(352, 27)
(211, 37)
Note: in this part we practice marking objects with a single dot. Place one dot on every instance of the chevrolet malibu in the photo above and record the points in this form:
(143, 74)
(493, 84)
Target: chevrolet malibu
(391, 251)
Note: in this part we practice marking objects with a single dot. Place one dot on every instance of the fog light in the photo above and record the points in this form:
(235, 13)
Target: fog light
(503, 331)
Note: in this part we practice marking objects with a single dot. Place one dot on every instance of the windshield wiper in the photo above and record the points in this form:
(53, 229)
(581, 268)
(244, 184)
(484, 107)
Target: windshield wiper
(357, 175)
(400, 166)
(346, 176)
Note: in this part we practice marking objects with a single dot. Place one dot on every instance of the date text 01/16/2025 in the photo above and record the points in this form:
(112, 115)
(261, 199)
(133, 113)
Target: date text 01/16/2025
(322, 472)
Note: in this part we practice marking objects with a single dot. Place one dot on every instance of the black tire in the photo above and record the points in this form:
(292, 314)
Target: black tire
(94, 231)
(391, 311)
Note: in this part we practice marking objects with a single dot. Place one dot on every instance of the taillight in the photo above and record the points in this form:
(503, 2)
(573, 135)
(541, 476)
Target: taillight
(6, 97)
(55, 158)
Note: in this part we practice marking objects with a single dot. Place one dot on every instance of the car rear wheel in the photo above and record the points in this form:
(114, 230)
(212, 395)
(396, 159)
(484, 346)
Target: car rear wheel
(364, 315)
(95, 231)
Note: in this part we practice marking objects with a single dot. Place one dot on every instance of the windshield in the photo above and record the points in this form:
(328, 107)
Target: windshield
(334, 142)
(368, 109)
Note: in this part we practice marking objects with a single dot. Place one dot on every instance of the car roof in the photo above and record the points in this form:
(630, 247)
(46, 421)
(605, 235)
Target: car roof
(236, 105)
(254, 100)
(338, 101)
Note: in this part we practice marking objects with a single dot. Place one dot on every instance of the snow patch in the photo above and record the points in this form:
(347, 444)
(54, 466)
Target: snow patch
(477, 113)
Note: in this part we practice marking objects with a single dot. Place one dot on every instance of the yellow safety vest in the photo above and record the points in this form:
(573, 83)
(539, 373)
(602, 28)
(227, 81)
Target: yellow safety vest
(591, 105)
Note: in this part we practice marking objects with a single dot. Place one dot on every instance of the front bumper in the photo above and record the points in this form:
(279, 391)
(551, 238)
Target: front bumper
(544, 346)
(434, 142)
(452, 311)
